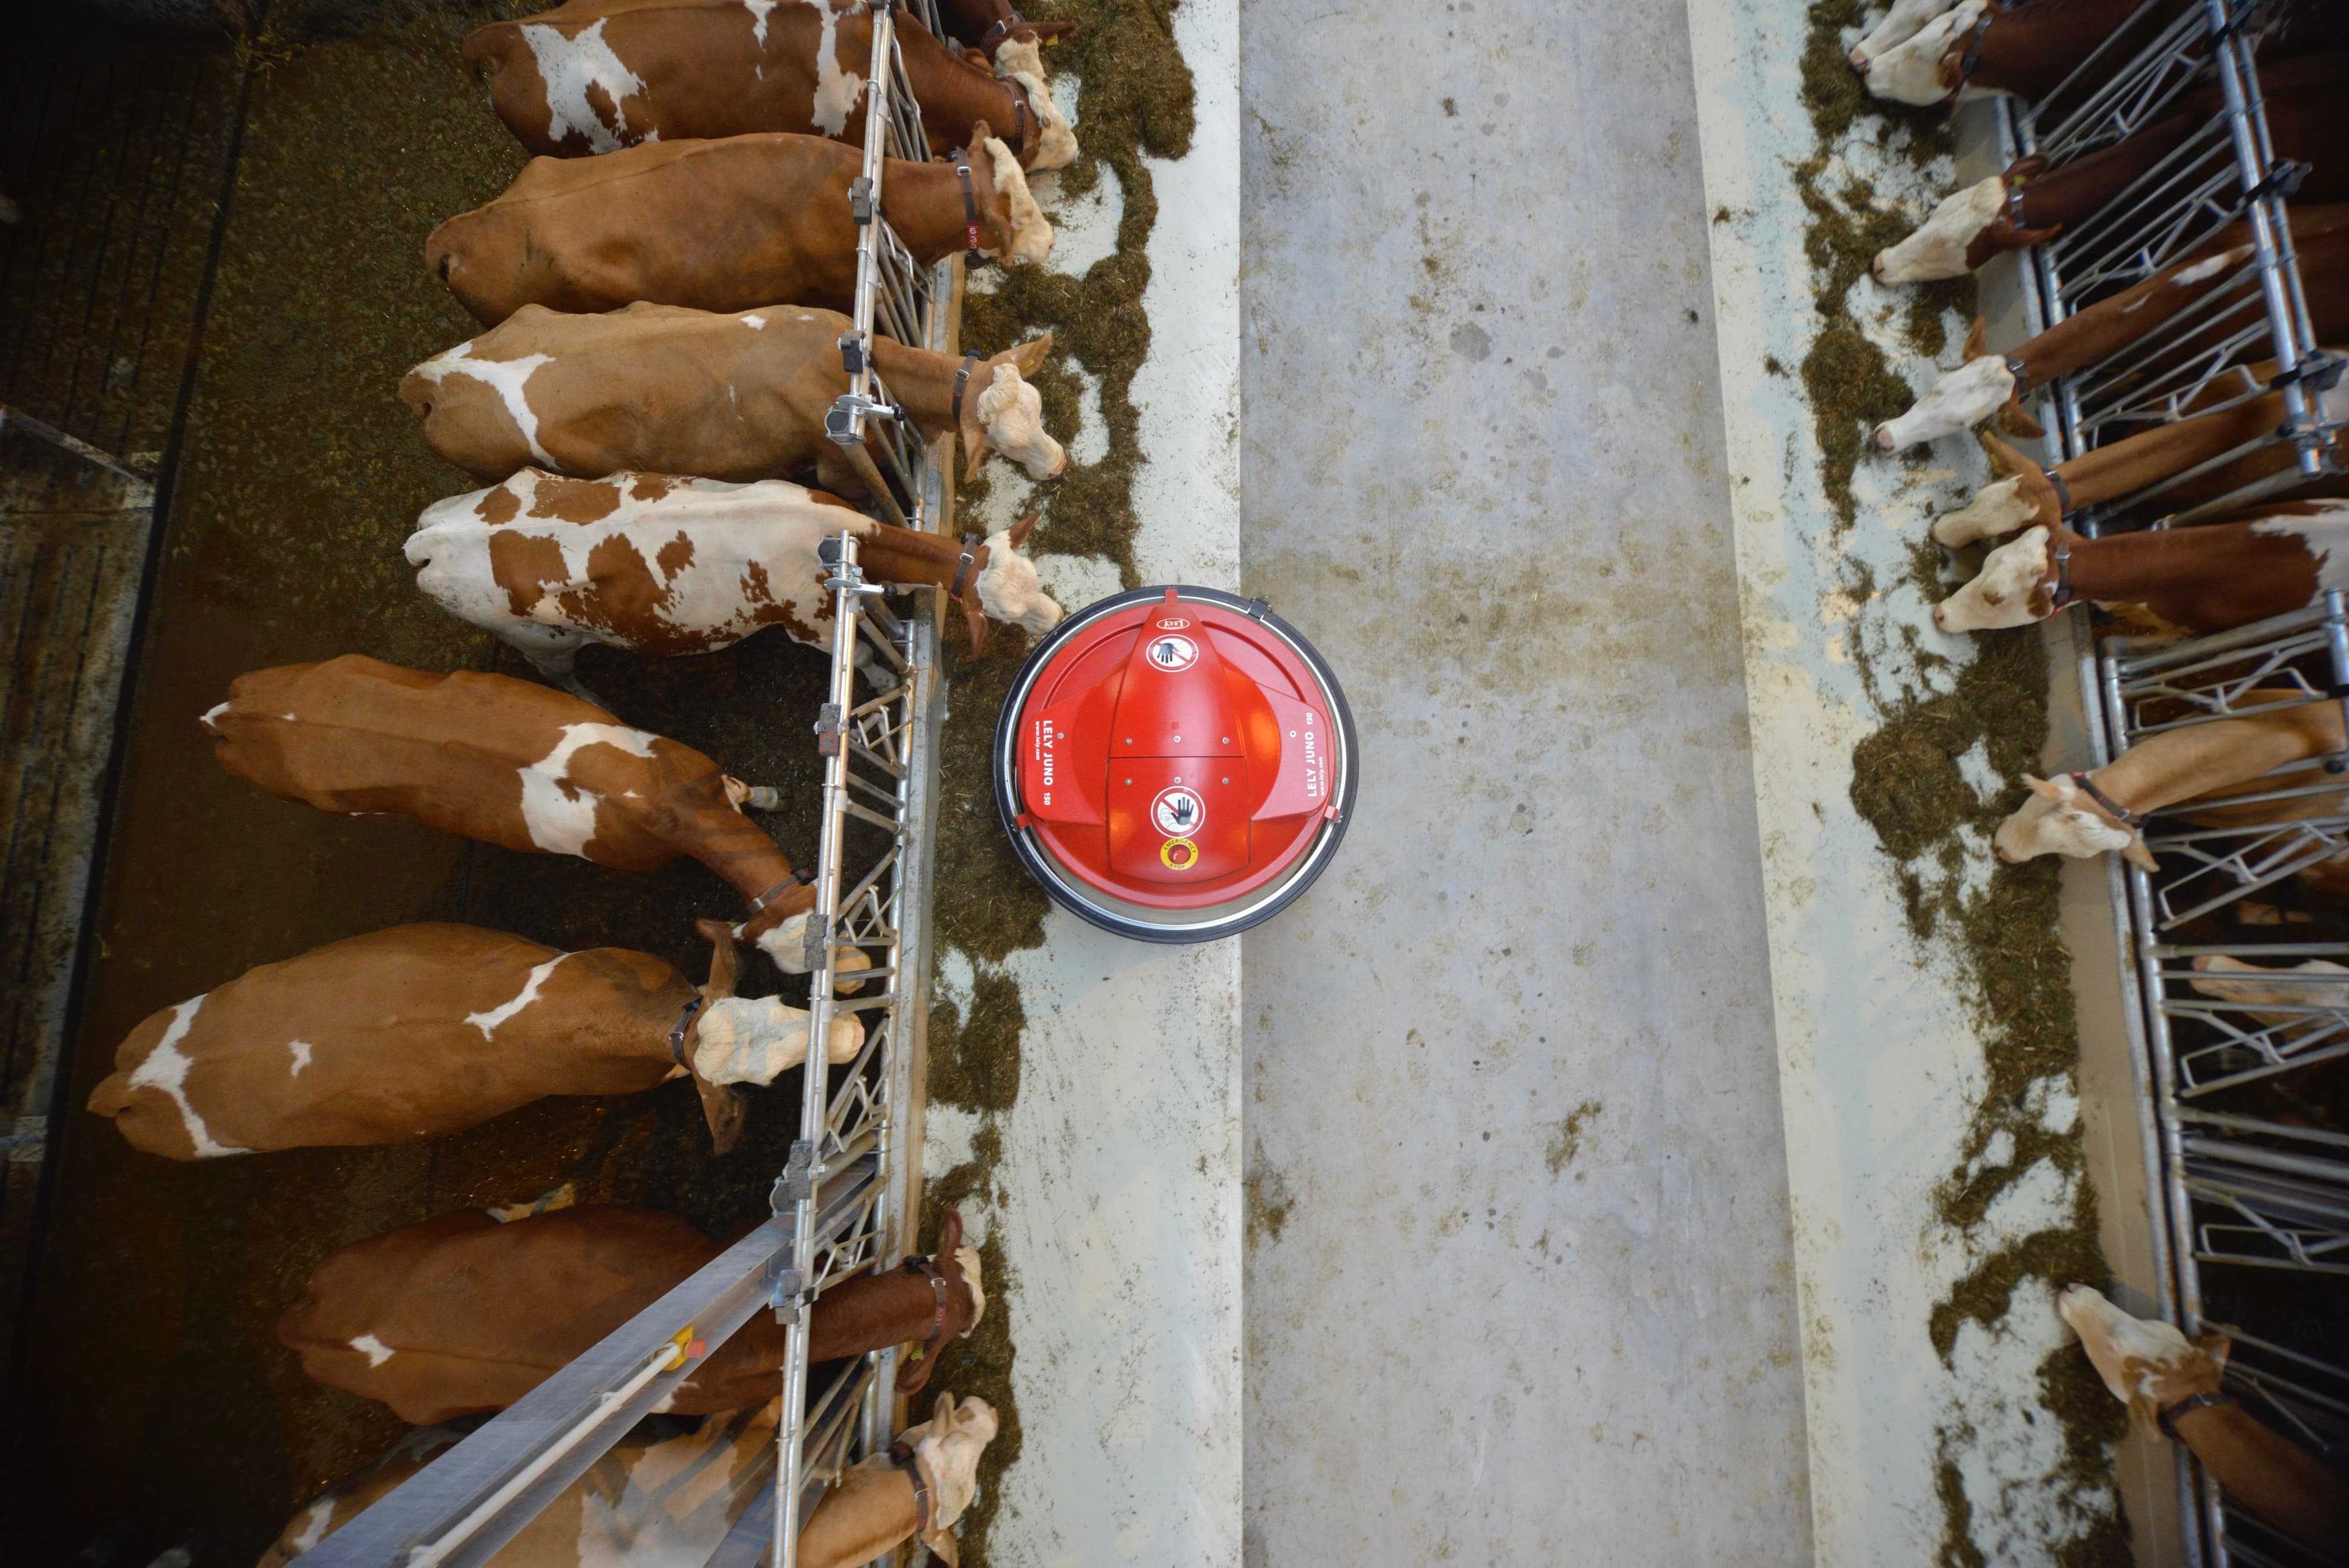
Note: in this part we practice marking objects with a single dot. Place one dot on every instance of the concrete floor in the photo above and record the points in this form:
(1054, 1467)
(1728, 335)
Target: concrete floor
(1519, 1286)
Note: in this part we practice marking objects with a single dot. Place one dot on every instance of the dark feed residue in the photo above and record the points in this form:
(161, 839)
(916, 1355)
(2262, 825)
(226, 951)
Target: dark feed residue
(1908, 786)
(1135, 103)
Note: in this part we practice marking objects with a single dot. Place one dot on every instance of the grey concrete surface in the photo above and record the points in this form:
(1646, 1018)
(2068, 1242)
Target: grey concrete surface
(1519, 1286)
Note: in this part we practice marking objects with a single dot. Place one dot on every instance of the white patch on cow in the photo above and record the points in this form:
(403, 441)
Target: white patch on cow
(2004, 593)
(2265, 992)
(314, 1524)
(1938, 248)
(2140, 1359)
(967, 1259)
(374, 1350)
(212, 715)
(1031, 236)
(1998, 509)
(754, 322)
(1911, 71)
(1012, 413)
(570, 65)
(758, 11)
(489, 1023)
(751, 1040)
(507, 377)
(559, 815)
(2053, 821)
(1958, 400)
(165, 1070)
(1899, 24)
(2322, 532)
(1008, 590)
(1056, 144)
(836, 91)
(301, 1049)
(2207, 269)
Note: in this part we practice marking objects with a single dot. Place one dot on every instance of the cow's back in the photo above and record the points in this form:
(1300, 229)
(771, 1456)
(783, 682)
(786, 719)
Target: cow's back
(654, 387)
(397, 1035)
(597, 75)
(653, 563)
(461, 1314)
(721, 225)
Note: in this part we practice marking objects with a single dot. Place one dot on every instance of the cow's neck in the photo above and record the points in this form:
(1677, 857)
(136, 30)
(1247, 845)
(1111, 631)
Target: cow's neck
(923, 383)
(952, 92)
(2206, 757)
(897, 554)
(926, 206)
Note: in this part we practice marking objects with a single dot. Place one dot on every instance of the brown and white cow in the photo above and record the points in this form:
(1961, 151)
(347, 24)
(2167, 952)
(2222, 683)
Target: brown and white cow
(2204, 578)
(664, 390)
(665, 565)
(879, 1505)
(728, 224)
(594, 76)
(667, 1491)
(1979, 47)
(2085, 814)
(509, 762)
(2030, 204)
(2178, 1386)
(1989, 383)
(2028, 493)
(420, 1031)
(469, 1312)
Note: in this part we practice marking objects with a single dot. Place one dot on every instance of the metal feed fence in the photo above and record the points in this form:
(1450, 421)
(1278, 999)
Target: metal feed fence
(2247, 337)
(2244, 1191)
(846, 1202)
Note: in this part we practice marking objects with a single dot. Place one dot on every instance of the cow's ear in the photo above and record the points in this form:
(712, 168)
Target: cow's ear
(942, 1416)
(1977, 340)
(725, 959)
(2217, 1346)
(2041, 786)
(2023, 169)
(2137, 855)
(1030, 357)
(975, 618)
(977, 150)
(949, 1233)
(1021, 529)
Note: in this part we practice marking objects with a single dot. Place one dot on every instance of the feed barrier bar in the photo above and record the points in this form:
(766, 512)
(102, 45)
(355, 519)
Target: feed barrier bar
(2249, 335)
(894, 298)
(460, 1510)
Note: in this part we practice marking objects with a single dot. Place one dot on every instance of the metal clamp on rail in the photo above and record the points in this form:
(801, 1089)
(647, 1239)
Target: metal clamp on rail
(844, 421)
(830, 726)
(860, 207)
(797, 1183)
(2283, 182)
(852, 356)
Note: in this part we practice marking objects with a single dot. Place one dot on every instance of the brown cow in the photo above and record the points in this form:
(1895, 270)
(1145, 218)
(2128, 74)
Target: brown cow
(2204, 578)
(995, 28)
(2085, 814)
(664, 390)
(2178, 1386)
(509, 763)
(2030, 493)
(594, 76)
(1978, 47)
(420, 1030)
(1989, 383)
(469, 1311)
(662, 1496)
(663, 565)
(2030, 205)
(721, 225)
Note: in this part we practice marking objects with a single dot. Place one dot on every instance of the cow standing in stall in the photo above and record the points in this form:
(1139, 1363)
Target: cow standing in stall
(722, 226)
(1990, 383)
(420, 1031)
(2085, 814)
(2178, 1386)
(469, 1312)
(663, 565)
(663, 390)
(594, 76)
(1977, 48)
(664, 1495)
(2204, 578)
(2030, 205)
(509, 762)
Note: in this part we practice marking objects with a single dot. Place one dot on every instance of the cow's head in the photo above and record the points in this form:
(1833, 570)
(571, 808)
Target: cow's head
(2061, 819)
(1007, 415)
(2023, 497)
(1928, 67)
(1006, 206)
(958, 1265)
(1941, 246)
(1006, 588)
(781, 931)
(2147, 1365)
(1960, 400)
(1056, 144)
(946, 1448)
(2005, 593)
